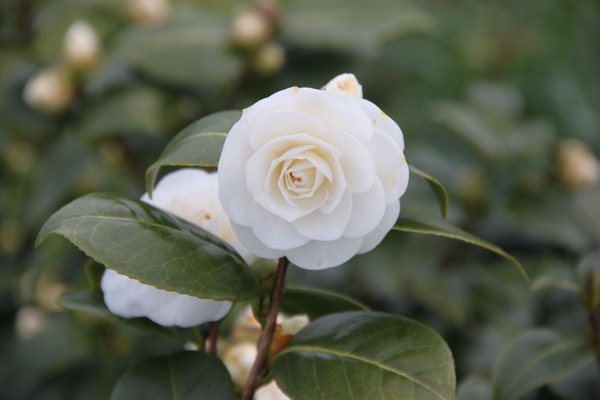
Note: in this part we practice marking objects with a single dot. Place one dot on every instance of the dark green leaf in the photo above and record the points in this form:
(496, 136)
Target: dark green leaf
(198, 145)
(535, 359)
(414, 221)
(317, 303)
(145, 243)
(354, 25)
(474, 388)
(189, 49)
(94, 272)
(91, 302)
(188, 375)
(366, 355)
(438, 189)
(554, 280)
(137, 110)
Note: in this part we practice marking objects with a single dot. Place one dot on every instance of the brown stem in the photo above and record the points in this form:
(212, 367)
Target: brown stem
(213, 333)
(264, 343)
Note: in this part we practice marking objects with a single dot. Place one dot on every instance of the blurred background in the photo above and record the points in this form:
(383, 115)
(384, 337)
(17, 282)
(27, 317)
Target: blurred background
(500, 100)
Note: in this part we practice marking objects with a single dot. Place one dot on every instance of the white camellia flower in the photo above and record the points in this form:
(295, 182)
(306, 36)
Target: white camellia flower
(314, 175)
(190, 194)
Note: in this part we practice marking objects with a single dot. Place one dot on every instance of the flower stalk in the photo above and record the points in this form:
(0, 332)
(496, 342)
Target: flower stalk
(264, 342)
(213, 333)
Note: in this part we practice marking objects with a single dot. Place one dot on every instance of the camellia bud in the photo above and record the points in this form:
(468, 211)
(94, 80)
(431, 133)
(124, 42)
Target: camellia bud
(269, 58)
(238, 358)
(270, 392)
(30, 321)
(50, 90)
(148, 11)
(577, 167)
(81, 46)
(250, 28)
(346, 84)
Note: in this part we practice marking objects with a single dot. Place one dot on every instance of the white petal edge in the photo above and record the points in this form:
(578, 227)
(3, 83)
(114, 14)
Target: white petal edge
(370, 241)
(316, 255)
(249, 239)
(368, 210)
(326, 226)
(274, 232)
(390, 165)
(381, 121)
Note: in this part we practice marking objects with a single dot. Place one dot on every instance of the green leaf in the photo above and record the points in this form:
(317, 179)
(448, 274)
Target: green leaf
(137, 110)
(535, 359)
(554, 280)
(91, 302)
(414, 221)
(353, 25)
(317, 303)
(188, 375)
(94, 272)
(156, 248)
(474, 388)
(198, 145)
(192, 48)
(366, 355)
(438, 189)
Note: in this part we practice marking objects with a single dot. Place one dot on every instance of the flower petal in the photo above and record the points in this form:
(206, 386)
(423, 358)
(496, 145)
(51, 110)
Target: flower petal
(317, 255)
(370, 241)
(283, 123)
(382, 122)
(326, 226)
(356, 161)
(367, 211)
(274, 231)
(390, 165)
(249, 239)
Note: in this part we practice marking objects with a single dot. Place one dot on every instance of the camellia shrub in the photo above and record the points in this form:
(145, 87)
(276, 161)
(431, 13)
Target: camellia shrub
(307, 176)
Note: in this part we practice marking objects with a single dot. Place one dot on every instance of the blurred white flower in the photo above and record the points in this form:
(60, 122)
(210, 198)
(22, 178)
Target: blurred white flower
(270, 392)
(577, 167)
(269, 58)
(314, 175)
(239, 358)
(30, 321)
(148, 11)
(81, 46)
(250, 28)
(50, 90)
(190, 194)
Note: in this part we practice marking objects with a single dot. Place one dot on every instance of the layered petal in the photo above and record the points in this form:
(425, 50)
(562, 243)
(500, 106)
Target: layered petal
(390, 164)
(317, 255)
(371, 240)
(367, 211)
(326, 226)
(273, 231)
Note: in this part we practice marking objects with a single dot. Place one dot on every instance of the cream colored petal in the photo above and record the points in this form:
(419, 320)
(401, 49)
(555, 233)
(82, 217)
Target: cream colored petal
(317, 255)
(273, 231)
(320, 226)
(283, 123)
(249, 239)
(367, 211)
(390, 165)
(370, 241)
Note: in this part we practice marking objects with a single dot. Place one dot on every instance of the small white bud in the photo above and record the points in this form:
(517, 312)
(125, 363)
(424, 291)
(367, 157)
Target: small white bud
(148, 11)
(30, 321)
(191, 346)
(239, 358)
(270, 392)
(81, 46)
(577, 167)
(50, 90)
(293, 325)
(346, 84)
(269, 58)
(250, 28)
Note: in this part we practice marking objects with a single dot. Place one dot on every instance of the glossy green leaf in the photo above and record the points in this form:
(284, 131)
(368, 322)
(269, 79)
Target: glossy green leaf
(137, 110)
(317, 303)
(91, 302)
(354, 25)
(414, 221)
(189, 49)
(474, 388)
(366, 355)
(554, 280)
(145, 243)
(438, 189)
(535, 359)
(188, 375)
(198, 145)
(94, 272)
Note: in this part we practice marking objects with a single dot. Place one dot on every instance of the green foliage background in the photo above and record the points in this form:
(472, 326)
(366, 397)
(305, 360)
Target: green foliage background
(483, 91)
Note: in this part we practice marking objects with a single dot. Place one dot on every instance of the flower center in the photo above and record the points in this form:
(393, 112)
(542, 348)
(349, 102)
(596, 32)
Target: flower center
(300, 176)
